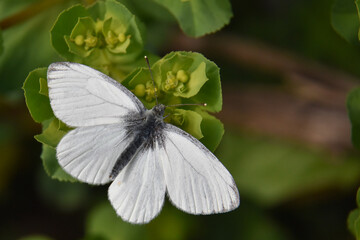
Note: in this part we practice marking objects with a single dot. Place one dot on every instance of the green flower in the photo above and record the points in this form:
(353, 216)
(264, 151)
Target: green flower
(105, 36)
(187, 120)
(116, 37)
(183, 78)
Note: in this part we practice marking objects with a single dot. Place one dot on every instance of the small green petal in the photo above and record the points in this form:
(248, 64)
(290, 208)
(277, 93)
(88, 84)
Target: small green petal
(52, 135)
(43, 87)
(181, 88)
(212, 129)
(99, 25)
(177, 119)
(197, 79)
(187, 120)
(121, 47)
(90, 41)
(122, 37)
(111, 39)
(182, 76)
(83, 27)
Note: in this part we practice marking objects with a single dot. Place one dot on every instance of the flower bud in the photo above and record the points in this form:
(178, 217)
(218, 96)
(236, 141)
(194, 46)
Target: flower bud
(79, 40)
(182, 76)
(122, 37)
(139, 90)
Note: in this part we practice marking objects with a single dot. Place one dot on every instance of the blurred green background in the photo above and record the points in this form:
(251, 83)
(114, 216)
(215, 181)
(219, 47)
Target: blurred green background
(285, 75)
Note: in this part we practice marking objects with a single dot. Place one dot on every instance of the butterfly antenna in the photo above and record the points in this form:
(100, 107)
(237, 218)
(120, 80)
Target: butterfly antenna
(152, 78)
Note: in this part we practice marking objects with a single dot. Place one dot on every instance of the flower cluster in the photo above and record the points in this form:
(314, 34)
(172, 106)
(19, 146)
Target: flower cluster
(105, 36)
(181, 78)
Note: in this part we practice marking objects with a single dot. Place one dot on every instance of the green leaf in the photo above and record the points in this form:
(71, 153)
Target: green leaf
(213, 130)
(35, 90)
(187, 120)
(353, 107)
(1, 43)
(196, 81)
(345, 20)
(52, 135)
(26, 45)
(271, 171)
(199, 17)
(354, 215)
(35, 237)
(353, 220)
(63, 26)
(51, 165)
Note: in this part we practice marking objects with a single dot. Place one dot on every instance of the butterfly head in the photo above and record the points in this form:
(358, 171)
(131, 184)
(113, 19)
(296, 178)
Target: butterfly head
(159, 110)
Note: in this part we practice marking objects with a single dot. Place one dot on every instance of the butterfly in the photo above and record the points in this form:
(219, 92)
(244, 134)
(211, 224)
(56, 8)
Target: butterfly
(116, 139)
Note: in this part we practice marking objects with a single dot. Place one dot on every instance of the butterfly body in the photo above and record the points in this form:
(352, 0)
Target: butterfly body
(116, 139)
(147, 127)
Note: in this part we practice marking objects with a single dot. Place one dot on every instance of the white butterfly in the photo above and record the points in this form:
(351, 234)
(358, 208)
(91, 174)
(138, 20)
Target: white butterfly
(117, 139)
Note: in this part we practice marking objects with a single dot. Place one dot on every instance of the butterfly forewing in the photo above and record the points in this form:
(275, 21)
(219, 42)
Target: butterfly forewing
(82, 96)
(102, 109)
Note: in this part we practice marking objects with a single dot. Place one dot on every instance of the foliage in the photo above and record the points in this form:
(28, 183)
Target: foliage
(346, 22)
(1, 43)
(199, 17)
(290, 189)
(345, 19)
(28, 41)
(36, 237)
(353, 105)
(105, 36)
(354, 218)
(109, 38)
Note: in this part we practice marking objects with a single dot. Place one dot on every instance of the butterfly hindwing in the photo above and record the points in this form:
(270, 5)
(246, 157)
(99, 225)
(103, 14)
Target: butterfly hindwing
(89, 153)
(137, 193)
(196, 181)
(82, 96)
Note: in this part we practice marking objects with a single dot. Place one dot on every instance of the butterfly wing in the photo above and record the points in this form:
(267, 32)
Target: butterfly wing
(101, 108)
(89, 153)
(137, 193)
(82, 96)
(196, 181)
